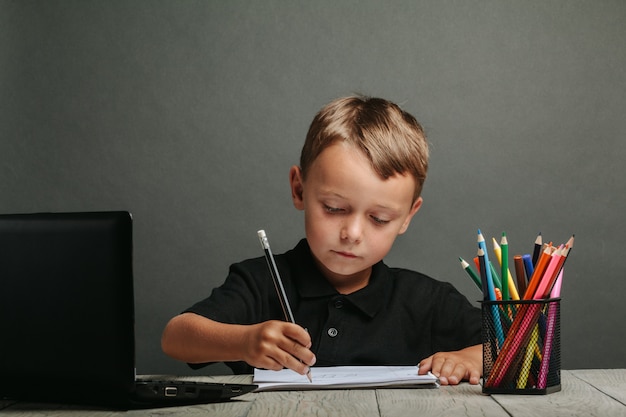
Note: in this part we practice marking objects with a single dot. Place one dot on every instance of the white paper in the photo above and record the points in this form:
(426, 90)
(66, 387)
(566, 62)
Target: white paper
(341, 377)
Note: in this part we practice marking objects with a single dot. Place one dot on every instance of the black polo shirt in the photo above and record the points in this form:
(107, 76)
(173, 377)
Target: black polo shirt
(399, 318)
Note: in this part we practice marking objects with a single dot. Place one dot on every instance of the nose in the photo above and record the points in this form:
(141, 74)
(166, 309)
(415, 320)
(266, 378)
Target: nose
(352, 229)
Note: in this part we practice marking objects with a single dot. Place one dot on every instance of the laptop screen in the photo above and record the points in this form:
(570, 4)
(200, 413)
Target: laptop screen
(66, 306)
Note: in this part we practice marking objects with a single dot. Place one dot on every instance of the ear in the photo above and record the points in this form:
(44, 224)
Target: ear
(297, 187)
(414, 209)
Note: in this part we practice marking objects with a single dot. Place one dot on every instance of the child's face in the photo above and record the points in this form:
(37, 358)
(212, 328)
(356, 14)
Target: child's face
(352, 216)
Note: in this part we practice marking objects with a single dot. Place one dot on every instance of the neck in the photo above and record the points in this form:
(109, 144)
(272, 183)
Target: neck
(346, 284)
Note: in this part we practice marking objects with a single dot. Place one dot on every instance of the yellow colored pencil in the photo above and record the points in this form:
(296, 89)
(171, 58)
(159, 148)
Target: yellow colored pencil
(522, 379)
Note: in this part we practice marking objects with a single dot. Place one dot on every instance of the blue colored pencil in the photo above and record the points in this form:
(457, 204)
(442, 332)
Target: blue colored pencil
(491, 290)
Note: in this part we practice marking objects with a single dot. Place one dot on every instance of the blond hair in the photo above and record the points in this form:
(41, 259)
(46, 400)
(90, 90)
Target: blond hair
(392, 139)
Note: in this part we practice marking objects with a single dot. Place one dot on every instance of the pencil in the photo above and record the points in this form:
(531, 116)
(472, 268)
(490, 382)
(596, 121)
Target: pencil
(556, 274)
(483, 257)
(490, 284)
(504, 246)
(278, 283)
(528, 267)
(513, 292)
(498, 294)
(556, 289)
(549, 276)
(519, 273)
(552, 317)
(522, 379)
(497, 284)
(537, 248)
(466, 266)
(483, 273)
(540, 268)
(547, 347)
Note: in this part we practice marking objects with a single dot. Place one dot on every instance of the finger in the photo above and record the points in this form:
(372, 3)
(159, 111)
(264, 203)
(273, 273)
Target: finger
(297, 333)
(304, 354)
(298, 343)
(437, 362)
(264, 345)
(286, 360)
(453, 372)
(298, 351)
(425, 365)
(474, 376)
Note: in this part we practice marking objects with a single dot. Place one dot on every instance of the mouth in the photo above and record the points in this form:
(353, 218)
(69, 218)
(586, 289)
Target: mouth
(347, 255)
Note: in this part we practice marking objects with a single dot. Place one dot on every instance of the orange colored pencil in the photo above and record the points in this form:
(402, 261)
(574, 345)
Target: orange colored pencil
(550, 274)
(540, 268)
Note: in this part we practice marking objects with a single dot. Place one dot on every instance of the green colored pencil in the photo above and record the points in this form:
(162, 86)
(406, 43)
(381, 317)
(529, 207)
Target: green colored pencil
(504, 264)
(471, 273)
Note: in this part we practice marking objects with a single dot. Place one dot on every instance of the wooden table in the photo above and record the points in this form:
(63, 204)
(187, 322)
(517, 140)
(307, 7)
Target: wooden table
(599, 393)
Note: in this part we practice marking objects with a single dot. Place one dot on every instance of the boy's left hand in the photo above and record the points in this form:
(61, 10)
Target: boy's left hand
(453, 367)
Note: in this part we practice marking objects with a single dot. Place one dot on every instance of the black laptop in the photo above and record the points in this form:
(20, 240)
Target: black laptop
(67, 315)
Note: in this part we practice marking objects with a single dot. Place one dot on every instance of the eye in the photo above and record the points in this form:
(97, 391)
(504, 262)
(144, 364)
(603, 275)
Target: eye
(378, 220)
(332, 210)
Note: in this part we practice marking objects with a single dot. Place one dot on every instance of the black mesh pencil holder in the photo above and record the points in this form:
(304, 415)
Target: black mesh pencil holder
(521, 346)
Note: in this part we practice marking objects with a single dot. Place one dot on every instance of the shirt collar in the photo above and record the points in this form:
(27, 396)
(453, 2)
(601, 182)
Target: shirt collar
(371, 298)
(310, 282)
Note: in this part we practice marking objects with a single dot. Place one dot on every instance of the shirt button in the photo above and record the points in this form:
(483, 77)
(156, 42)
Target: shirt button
(338, 303)
(332, 332)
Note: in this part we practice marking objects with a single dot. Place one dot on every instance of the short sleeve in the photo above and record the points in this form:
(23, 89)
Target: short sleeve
(241, 299)
(457, 324)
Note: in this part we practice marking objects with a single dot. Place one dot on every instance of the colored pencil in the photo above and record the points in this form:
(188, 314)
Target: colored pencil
(519, 273)
(483, 273)
(540, 268)
(490, 284)
(522, 379)
(513, 291)
(549, 277)
(528, 267)
(556, 290)
(490, 288)
(537, 248)
(497, 283)
(547, 346)
(504, 245)
(466, 266)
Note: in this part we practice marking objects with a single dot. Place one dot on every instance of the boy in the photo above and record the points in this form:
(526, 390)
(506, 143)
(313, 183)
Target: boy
(361, 173)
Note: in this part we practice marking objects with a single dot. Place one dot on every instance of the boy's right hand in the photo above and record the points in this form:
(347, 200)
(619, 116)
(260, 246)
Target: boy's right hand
(276, 345)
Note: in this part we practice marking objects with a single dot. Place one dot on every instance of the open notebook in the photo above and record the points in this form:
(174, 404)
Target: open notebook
(343, 377)
(67, 315)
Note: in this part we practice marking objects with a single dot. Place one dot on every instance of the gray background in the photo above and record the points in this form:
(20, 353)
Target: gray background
(190, 113)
